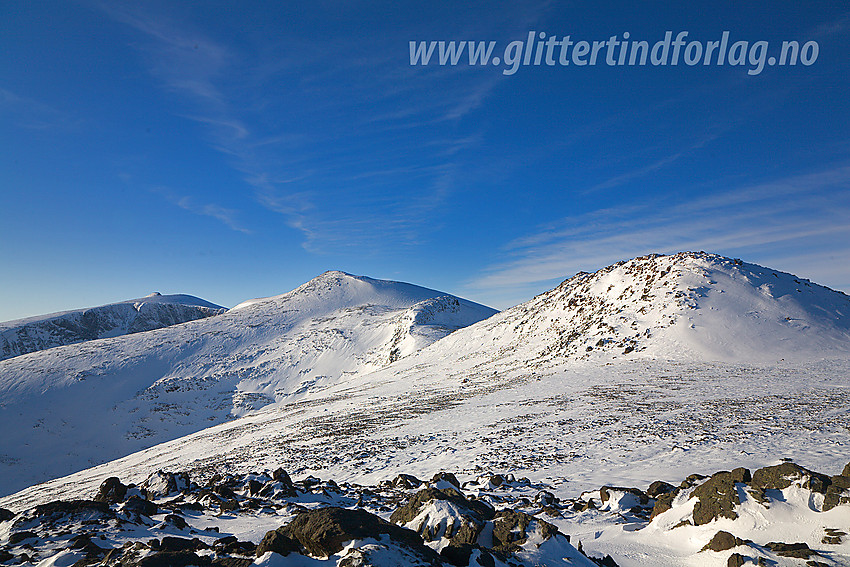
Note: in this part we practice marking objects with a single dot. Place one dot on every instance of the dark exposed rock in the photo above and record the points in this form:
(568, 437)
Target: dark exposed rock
(457, 555)
(309, 483)
(736, 560)
(837, 492)
(846, 471)
(783, 475)
(182, 507)
(741, 475)
(833, 536)
(60, 510)
(6, 514)
(510, 530)
(551, 511)
(406, 481)
(322, 532)
(254, 487)
(606, 561)
(231, 545)
(545, 498)
(111, 491)
(141, 506)
(173, 559)
(171, 543)
(162, 483)
(283, 485)
(5, 556)
(84, 543)
(232, 562)
(460, 556)
(605, 493)
(658, 488)
(813, 563)
(497, 480)
(64, 507)
(278, 542)
(467, 533)
(692, 480)
(446, 476)
(722, 541)
(797, 550)
(663, 503)
(475, 508)
(17, 537)
(717, 498)
(176, 521)
(473, 514)
(225, 491)
(281, 475)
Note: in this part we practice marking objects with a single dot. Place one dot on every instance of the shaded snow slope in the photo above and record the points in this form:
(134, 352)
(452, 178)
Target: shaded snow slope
(154, 311)
(71, 407)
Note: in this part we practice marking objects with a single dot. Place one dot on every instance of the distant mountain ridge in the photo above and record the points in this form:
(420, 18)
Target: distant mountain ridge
(154, 311)
(69, 407)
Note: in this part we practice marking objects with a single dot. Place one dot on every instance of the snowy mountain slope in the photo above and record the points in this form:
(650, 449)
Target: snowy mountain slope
(520, 393)
(687, 306)
(154, 311)
(71, 407)
(513, 392)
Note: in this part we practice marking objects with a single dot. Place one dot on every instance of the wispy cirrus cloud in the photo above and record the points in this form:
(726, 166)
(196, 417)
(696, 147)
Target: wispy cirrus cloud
(771, 222)
(347, 201)
(227, 216)
(33, 114)
(184, 60)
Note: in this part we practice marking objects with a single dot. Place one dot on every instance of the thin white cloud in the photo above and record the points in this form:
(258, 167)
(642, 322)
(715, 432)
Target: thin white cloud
(661, 163)
(33, 114)
(773, 221)
(227, 216)
(347, 201)
(185, 60)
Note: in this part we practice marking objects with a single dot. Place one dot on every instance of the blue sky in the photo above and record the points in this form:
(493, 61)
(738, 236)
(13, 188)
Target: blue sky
(233, 150)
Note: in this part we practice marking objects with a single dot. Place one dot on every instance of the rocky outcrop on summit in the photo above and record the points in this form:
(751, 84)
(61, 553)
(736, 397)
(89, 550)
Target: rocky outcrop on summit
(690, 305)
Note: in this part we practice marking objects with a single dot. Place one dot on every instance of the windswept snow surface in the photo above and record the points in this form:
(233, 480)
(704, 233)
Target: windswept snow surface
(68, 408)
(154, 311)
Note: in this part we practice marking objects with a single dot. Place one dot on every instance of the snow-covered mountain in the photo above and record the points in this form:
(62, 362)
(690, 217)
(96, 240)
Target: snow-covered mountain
(68, 408)
(647, 370)
(154, 311)
(687, 306)
(658, 328)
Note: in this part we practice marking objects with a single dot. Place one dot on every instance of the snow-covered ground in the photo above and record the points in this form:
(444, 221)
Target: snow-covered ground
(651, 369)
(68, 408)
